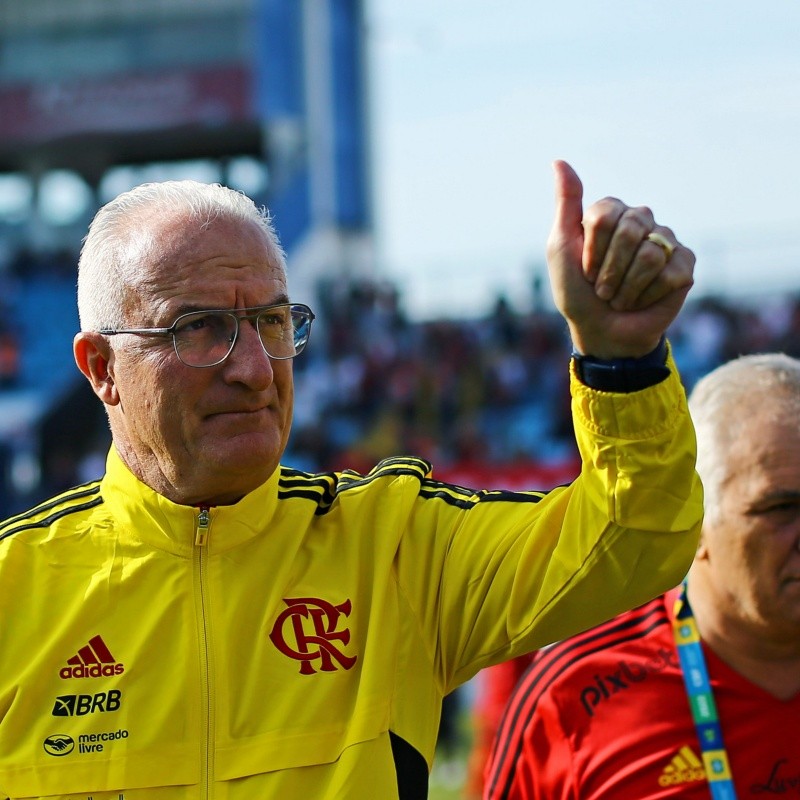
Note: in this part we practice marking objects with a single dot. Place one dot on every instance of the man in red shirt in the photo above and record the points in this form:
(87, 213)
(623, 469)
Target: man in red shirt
(697, 693)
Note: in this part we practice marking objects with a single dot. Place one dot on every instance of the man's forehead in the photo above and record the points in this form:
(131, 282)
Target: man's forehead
(224, 263)
(766, 453)
(160, 246)
(186, 237)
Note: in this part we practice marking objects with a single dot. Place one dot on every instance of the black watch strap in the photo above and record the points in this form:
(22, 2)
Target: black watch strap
(623, 374)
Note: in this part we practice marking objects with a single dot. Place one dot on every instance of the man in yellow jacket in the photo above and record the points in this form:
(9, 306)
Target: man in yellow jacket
(206, 622)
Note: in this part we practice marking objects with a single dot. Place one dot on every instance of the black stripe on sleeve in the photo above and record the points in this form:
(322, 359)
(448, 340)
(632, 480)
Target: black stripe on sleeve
(49, 520)
(79, 492)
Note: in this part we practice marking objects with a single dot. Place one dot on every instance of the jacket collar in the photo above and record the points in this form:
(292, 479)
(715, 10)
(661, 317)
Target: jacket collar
(148, 516)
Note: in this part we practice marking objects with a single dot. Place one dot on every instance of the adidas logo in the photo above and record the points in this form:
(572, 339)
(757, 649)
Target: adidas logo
(93, 660)
(685, 767)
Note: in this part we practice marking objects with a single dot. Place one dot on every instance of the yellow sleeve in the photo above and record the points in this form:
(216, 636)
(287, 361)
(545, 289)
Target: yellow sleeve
(517, 574)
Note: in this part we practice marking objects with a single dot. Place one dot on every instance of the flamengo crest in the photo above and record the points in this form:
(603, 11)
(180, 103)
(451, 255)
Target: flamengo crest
(307, 631)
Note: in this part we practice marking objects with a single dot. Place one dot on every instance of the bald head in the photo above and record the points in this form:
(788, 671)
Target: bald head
(127, 233)
(762, 389)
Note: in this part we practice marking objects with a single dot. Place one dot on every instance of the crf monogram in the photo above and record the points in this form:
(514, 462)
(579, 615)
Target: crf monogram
(313, 628)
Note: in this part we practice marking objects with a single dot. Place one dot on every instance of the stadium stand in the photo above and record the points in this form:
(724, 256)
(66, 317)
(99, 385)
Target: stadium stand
(46, 319)
(486, 399)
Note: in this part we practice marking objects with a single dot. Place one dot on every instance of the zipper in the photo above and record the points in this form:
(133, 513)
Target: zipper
(203, 524)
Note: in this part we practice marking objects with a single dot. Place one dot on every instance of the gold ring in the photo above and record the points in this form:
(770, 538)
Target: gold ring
(662, 242)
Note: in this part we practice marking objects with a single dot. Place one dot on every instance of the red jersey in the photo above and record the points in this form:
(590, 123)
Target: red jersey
(605, 715)
(495, 685)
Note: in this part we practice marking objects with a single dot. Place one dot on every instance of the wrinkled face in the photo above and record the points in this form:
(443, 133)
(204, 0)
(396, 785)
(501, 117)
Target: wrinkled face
(752, 543)
(211, 434)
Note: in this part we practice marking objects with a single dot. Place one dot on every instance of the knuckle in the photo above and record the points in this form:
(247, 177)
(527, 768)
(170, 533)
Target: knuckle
(604, 214)
(630, 231)
(682, 262)
(609, 203)
(650, 259)
(644, 212)
(664, 230)
(639, 220)
(679, 275)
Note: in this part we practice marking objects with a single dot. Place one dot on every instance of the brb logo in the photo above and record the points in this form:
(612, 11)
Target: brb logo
(307, 631)
(78, 705)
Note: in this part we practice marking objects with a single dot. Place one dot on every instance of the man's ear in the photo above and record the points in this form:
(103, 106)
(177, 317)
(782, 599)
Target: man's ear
(702, 549)
(95, 359)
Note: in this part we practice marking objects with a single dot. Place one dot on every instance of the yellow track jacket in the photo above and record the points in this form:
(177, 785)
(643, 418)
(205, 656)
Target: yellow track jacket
(298, 643)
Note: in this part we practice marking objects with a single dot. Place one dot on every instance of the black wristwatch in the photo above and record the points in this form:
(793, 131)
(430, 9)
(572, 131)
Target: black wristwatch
(623, 374)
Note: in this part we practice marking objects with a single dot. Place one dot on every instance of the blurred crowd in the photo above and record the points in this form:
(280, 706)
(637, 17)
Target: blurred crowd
(9, 353)
(491, 390)
(466, 391)
(485, 399)
(10, 346)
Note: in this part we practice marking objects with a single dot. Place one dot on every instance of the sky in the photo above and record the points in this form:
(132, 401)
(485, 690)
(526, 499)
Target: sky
(690, 108)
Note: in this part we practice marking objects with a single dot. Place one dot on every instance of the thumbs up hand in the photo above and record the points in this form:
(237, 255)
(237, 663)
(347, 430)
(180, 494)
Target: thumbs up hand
(618, 278)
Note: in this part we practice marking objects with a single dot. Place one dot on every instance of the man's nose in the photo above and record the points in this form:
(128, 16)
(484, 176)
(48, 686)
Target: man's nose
(248, 362)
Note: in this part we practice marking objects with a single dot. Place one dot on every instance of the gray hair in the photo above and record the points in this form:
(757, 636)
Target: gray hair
(122, 236)
(723, 402)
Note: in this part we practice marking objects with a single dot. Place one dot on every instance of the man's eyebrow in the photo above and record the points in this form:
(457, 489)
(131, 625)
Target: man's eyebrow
(190, 308)
(784, 494)
(778, 496)
(186, 308)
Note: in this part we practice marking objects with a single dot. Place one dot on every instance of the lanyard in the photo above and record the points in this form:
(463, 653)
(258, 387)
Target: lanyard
(701, 700)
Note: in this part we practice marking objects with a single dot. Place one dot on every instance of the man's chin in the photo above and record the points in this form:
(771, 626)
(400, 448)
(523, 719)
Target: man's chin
(247, 459)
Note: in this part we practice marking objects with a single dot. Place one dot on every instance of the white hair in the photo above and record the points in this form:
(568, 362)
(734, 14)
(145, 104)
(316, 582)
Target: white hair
(726, 400)
(122, 236)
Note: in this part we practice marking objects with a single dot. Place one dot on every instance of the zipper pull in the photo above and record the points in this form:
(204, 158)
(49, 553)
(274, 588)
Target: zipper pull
(203, 524)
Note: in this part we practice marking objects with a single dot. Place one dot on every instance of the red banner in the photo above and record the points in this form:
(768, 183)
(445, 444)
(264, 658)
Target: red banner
(515, 477)
(126, 103)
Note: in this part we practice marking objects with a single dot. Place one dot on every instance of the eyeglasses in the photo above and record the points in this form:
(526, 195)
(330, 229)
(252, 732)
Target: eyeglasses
(206, 338)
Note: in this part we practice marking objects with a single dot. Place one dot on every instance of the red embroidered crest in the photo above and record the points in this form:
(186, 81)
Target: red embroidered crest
(312, 634)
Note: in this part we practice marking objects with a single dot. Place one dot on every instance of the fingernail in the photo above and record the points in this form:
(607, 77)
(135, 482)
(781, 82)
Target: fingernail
(604, 291)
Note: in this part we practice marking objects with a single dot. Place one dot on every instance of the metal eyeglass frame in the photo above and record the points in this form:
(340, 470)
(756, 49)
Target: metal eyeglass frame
(238, 315)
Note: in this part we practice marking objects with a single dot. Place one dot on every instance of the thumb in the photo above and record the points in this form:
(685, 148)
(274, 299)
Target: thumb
(569, 205)
(565, 243)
